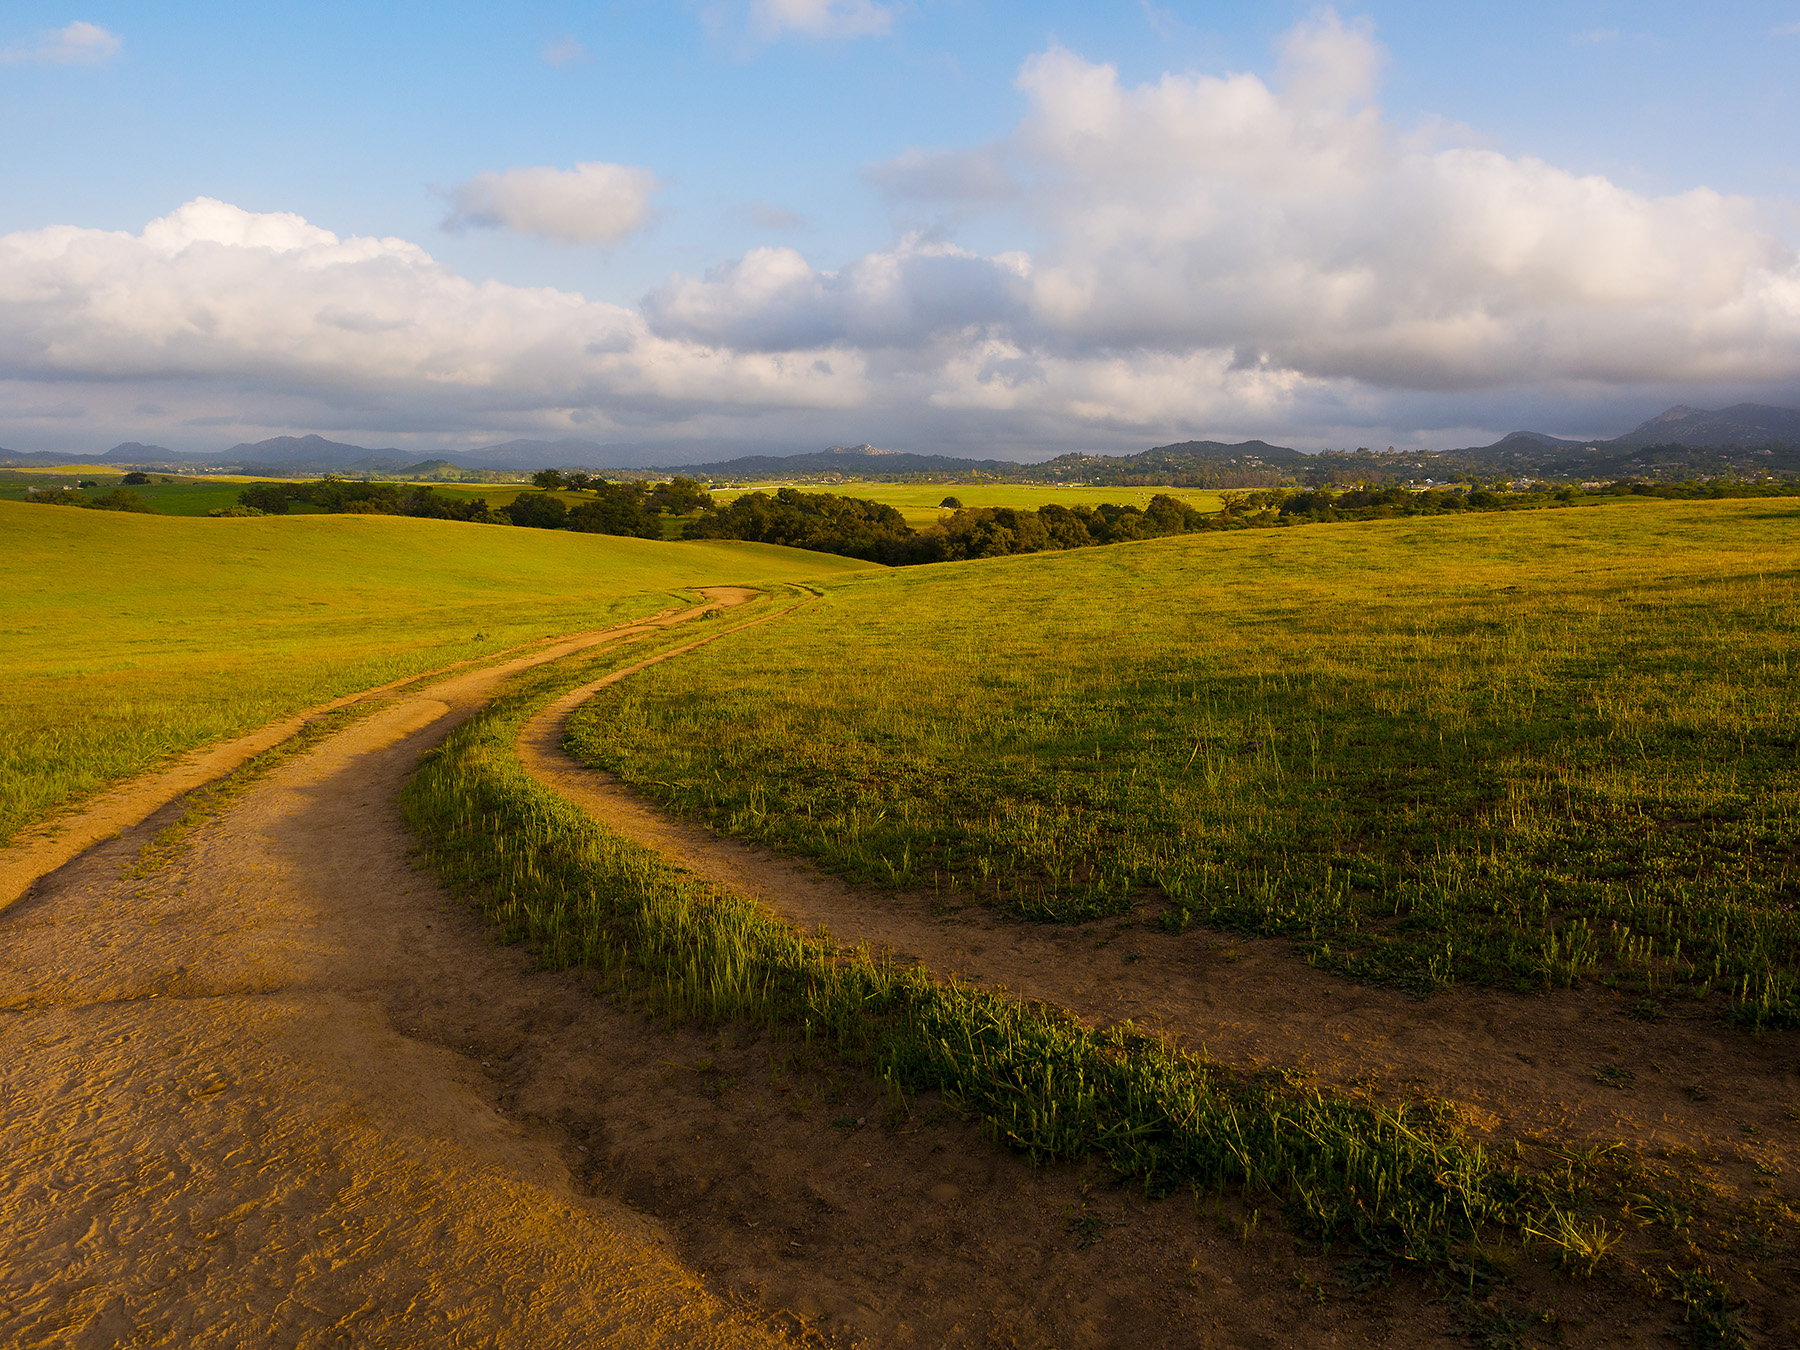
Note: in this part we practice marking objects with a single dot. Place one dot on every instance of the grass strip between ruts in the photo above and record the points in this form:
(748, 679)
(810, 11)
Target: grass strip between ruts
(1404, 1180)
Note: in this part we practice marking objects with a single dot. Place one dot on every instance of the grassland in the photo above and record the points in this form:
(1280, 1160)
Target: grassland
(1404, 1181)
(1523, 750)
(129, 638)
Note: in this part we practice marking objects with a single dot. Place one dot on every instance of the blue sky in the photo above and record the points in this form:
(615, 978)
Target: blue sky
(841, 220)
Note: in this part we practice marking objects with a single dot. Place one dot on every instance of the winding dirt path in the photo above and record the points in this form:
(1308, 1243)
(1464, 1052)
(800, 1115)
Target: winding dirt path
(216, 1136)
(1522, 1066)
(285, 1091)
(41, 848)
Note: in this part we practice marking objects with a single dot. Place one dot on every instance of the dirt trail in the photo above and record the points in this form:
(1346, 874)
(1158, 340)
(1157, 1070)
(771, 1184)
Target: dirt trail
(1522, 1066)
(214, 1135)
(284, 1091)
(40, 849)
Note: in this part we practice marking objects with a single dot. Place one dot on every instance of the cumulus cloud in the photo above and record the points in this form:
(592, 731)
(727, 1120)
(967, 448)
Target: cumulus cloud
(80, 44)
(593, 203)
(269, 301)
(820, 18)
(772, 299)
(1288, 225)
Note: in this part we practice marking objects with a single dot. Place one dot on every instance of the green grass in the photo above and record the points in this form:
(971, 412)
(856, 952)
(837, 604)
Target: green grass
(126, 638)
(1404, 1180)
(182, 497)
(919, 503)
(1524, 749)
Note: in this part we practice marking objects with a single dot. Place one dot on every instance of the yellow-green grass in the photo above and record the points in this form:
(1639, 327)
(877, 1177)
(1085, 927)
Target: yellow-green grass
(920, 503)
(1523, 749)
(1407, 1182)
(128, 638)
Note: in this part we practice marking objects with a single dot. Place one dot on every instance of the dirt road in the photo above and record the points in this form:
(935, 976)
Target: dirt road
(217, 1135)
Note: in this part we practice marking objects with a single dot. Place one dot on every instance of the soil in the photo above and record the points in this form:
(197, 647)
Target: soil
(284, 1090)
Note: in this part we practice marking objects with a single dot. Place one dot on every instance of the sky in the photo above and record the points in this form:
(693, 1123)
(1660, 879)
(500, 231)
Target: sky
(1005, 230)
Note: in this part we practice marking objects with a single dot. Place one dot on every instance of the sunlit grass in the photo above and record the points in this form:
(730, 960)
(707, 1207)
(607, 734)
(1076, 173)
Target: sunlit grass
(125, 639)
(1523, 749)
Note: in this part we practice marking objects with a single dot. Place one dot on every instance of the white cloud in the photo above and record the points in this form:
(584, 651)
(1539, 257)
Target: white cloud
(566, 52)
(820, 18)
(1288, 224)
(278, 309)
(80, 44)
(592, 203)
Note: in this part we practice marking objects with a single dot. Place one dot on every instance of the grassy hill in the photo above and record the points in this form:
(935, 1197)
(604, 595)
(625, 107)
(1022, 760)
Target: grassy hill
(129, 638)
(1524, 749)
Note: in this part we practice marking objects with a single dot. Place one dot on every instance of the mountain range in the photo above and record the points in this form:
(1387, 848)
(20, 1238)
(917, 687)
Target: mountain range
(1747, 437)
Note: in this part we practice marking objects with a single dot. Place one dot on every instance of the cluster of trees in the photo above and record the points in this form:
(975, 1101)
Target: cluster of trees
(352, 497)
(855, 528)
(119, 499)
(627, 508)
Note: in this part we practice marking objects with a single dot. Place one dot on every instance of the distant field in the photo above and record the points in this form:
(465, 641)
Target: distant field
(128, 638)
(1520, 749)
(920, 504)
(183, 497)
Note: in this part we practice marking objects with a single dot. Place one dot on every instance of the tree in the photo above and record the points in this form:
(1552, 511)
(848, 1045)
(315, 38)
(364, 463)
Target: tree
(538, 512)
(269, 498)
(548, 479)
(134, 479)
(680, 497)
(950, 504)
(617, 508)
(578, 481)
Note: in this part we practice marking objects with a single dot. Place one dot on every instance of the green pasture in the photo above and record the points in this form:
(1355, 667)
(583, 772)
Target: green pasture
(129, 638)
(1525, 749)
(919, 503)
(183, 496)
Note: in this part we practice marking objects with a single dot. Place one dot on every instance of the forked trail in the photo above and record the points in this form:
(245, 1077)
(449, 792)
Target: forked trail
(283, 1090)
(1520, 1065)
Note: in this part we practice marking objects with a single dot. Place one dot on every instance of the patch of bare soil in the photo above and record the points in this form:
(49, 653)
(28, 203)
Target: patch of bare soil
(1561, 1068)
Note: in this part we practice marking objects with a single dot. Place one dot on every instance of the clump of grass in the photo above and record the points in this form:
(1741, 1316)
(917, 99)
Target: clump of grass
(1526, 751)
(1405, 1180)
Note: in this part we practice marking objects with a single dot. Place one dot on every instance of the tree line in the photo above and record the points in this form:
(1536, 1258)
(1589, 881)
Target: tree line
(851, 527)
(628, 508)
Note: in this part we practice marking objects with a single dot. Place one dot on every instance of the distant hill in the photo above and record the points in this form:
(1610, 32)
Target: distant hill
(136, 452)
(1187, 464)
(310, 453)
(849, 461)
(1740, 424)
